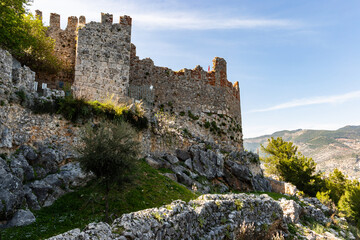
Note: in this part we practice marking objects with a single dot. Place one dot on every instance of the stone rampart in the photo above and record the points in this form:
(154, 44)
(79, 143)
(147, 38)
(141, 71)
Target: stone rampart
(65, 50)
(186, 90)
(103, 59)
(105, 66)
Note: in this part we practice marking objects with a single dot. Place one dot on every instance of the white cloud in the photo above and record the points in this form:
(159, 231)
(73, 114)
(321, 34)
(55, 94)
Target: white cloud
(312, 101)
(157, 15)
(195, 21)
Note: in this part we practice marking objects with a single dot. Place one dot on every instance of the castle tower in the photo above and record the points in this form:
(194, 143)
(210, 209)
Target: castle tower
(103, 59)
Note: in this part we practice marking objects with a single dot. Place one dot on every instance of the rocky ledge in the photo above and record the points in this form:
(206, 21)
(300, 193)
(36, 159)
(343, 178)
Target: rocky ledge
(213, 216)
(32, 178)
(206, 168)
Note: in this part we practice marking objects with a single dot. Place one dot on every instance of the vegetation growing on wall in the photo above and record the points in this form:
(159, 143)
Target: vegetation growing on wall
(78, 109)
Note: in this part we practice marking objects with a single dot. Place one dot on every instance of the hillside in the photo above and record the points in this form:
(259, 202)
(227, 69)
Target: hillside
(330, 149)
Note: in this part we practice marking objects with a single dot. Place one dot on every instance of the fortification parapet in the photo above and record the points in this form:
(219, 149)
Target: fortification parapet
(54, 20)
(82, 20)
(72, 23)
(106, 18)
(125, 20)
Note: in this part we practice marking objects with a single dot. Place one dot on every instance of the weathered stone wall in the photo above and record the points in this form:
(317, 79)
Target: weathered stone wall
(103, 59)
(195, 90)
(13, 77)
(65, 50)
(282, 187)
(207, 97)
(20, 126)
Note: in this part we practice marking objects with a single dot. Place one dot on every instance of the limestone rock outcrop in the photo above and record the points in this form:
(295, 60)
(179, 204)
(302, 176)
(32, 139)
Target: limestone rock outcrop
(34, 178)
(207, 217)
(206, 169)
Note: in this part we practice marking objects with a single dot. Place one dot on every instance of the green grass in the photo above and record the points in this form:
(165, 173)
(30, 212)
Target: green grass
(274, 195)
(75, 210)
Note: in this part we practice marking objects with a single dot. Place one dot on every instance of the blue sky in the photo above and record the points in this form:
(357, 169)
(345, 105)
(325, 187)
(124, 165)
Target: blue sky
(297, 62)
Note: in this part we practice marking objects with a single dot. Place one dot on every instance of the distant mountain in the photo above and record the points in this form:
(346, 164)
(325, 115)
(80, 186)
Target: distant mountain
(330, 149)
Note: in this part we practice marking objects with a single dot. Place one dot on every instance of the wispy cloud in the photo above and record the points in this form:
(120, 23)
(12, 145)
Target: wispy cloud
(312, 101)
(159, 15)
(195, 21)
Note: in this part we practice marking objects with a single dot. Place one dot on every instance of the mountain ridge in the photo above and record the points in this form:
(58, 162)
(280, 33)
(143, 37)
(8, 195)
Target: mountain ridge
(330, 149)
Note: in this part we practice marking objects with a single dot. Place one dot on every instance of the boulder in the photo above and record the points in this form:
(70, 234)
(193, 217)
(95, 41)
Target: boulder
(171, 159)
(29, 153)
(41, 189)
(291, 210)
(21, 218)
(11, 192)
(21, 168)
(6, 137)
(154, 163)
(182, 155)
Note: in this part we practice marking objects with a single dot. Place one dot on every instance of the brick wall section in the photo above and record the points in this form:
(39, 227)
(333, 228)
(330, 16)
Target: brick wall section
(195, 90)
(103, 59)
(65, 49)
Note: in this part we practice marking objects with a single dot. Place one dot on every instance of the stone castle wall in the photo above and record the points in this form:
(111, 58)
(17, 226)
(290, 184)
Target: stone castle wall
(103, 59)
(105, 66)
(65, 50)
(186, 90)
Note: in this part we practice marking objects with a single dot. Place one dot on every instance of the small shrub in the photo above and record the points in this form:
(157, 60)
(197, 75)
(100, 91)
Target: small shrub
(161, 107)
(292, 228)
(186, 132)
(74, 109)
(22, 95)
(246, 231)
(41, 106)
(192, 116)
(2, 103)
(110, 152)
(182, 113)
(207, 124)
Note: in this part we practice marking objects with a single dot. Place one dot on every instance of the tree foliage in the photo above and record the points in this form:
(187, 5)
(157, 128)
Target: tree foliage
(291, 166)
(25, 38)
(349, 203)
(110, 152)
(336, 183)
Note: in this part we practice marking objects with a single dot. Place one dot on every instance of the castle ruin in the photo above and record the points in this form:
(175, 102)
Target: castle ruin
(101, 62)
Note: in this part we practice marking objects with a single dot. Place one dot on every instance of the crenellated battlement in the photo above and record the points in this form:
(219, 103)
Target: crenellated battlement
(194, 90)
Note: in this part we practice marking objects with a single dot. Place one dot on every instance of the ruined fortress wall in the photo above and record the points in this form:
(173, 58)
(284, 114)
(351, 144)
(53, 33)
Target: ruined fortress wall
(65, 50)
(103, 59)
(186, 90)
(13, 77)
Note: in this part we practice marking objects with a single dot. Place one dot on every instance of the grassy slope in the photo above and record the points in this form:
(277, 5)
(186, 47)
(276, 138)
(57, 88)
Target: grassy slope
(75, 210)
